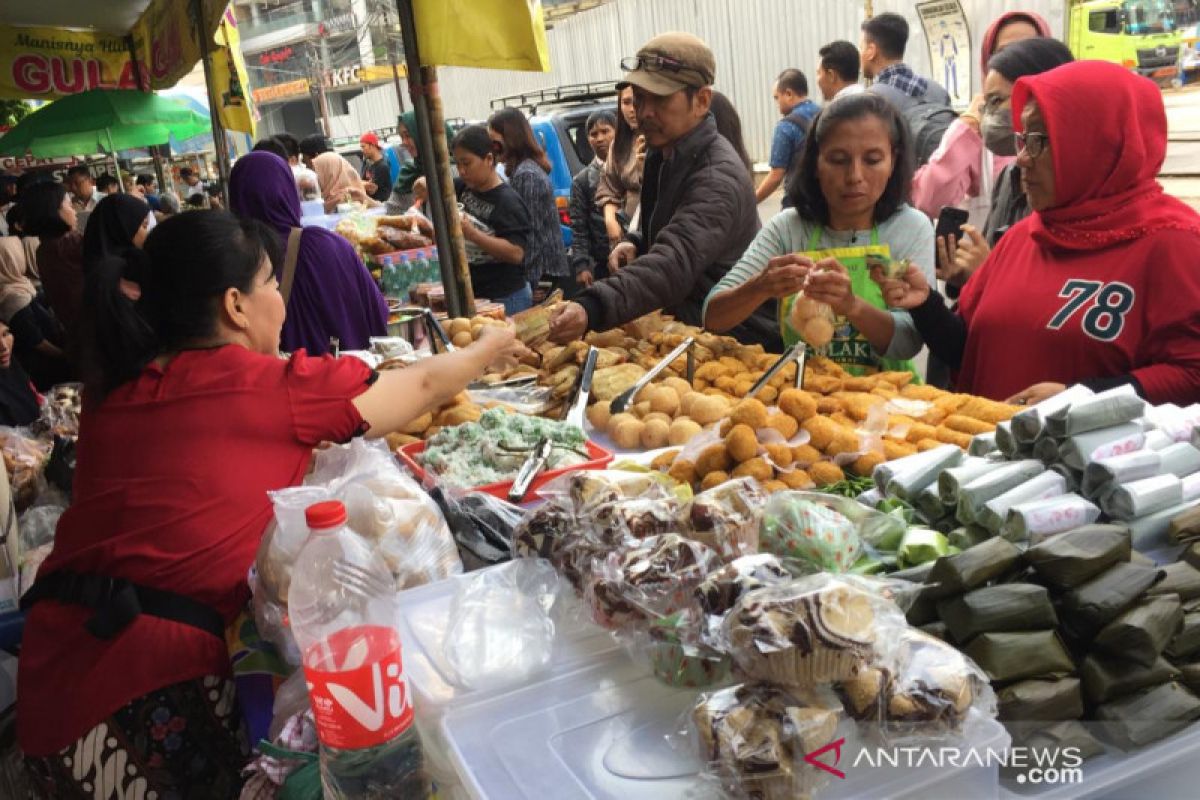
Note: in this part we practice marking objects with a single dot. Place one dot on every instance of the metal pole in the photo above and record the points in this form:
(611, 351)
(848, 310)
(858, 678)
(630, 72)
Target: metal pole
(395, 74)
(218, 131)
(443, 203)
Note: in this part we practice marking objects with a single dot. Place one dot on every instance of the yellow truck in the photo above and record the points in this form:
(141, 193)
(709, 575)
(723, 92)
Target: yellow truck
(1142, 35)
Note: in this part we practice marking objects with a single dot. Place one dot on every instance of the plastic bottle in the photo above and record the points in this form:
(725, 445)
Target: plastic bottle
(387, 276)
(342, 611)
(435, 266)
(404, 276)
(420, 267)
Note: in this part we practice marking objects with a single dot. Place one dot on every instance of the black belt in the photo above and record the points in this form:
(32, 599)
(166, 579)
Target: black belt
(118, 602)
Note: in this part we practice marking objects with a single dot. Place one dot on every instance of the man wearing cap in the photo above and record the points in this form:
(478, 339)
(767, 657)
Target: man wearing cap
(698, 212)
(377, 177)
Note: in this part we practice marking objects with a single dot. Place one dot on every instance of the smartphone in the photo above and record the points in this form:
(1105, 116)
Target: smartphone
(950, 222)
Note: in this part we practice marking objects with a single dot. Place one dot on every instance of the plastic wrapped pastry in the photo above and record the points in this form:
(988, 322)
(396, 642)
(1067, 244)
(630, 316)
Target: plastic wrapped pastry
(1043, 487)
(1079, 451)
(1100, 476)
(648, 579)
(1142, 497)
(796, 527)
(1041, 519)
(993, 484)
(1105, 410)
(1027, 424)
(727, 517)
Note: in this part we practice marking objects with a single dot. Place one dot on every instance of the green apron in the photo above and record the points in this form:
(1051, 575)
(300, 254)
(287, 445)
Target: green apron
(849, 348)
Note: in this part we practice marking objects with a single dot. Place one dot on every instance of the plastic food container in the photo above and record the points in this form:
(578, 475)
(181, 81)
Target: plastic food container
(599, 459)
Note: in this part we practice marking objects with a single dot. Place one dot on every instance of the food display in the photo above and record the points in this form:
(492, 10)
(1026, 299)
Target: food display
(493, 448)
(376, 235)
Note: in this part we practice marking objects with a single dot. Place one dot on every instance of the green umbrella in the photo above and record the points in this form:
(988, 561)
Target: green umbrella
(102, 121)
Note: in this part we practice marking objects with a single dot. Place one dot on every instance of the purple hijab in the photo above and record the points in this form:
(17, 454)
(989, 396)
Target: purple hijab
(333, 294)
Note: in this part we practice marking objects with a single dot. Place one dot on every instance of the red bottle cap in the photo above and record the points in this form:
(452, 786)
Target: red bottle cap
(321, 516)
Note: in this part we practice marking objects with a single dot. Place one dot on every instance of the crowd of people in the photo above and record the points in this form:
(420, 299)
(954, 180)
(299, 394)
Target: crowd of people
(1077, 270)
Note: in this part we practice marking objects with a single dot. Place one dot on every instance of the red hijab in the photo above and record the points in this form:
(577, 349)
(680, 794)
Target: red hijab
(1105, 168)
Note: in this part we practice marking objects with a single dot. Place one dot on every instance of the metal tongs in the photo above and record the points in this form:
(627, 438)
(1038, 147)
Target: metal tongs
(583, 389)
(798, 353)
(520, 380)
(622, 401)
(532, 467)
(436, 332)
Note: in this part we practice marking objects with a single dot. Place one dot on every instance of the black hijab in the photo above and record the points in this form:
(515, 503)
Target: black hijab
(111, 227)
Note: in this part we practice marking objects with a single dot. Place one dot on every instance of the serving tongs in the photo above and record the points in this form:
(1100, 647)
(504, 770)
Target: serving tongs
(574, 412)
(622, 401)
(798, 353)
(436, 332)
(510, 383)
(532, 467)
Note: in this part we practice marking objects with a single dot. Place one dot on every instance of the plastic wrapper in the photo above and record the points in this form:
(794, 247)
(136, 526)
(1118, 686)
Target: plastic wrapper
(916, 686)
(921, 545)
(1191, 488)
(812, 321)
(501, 627)
(1105, 410)
(1180, 459)
(648, 579)
(995, 511)
(1027, 424)
(795, 526)
(905, 477)
(1100, 476)
(929, 505)
(25, 456)
(674, 649)
(727, 518)
(983, 444)
(952, 480)
(1079, 451)
(754, 738)
(1142, 497)
(59, 415)
(1007, 443)
(482, 525)
(814, 630)
(993, 484)
(529, 400)
(1040, 519)
(1175, 422)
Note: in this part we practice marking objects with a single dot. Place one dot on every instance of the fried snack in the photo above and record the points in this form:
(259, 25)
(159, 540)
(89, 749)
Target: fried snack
(708, 409)
(663, 461)
(741, 443)
(963, 424)
(655, 415)
(743, 387)
(950, 436)
(798, 403)
(886, 391)
(682, 430)
(921, 392)
(784, 423)
(756, 468)
(863, 384)
(768, 394)
(609, 382)
(987, 410)
(712, 480)
(859, 405)
(845, 440)
(711, 371)
(654, 434)
(826, 366)
(928, 444)
(462, 339)
(458, 325)
(750, 412)
(683, 471)
(641, 409)
(920, 430)
(866, 464)
(950, 403)
(829, 405)
(728, 384)
(796, 479)
(897, 379)
(714, 458)
(843, 420)
(417, 426)
(771, 487)
(457, 415)
(824, 473)
(397, 440)
(805, 454)
(822, 384)
(679, 385)
(610, 338)
(822, 430)
(935, 416)
(780, 455)
(893, 449)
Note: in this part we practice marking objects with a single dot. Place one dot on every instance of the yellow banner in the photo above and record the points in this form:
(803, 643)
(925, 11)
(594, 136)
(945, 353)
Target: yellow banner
(46, 63)
(230, 100)
(495, 34)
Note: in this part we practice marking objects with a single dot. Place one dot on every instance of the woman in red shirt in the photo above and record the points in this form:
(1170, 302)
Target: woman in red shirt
(1099, 285)
(190, 418)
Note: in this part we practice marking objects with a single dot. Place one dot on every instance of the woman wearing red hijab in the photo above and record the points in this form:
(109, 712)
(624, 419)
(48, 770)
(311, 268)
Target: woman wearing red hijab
(1099, 285)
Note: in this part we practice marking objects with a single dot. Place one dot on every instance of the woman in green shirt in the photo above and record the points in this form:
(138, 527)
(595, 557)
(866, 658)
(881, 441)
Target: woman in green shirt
(849, 194)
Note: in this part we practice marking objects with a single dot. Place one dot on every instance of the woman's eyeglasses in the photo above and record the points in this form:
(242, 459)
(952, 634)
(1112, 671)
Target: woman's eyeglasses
(1031, 142)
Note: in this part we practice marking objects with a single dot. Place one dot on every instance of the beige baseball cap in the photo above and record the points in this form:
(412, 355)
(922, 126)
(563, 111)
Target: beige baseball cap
(669, 63)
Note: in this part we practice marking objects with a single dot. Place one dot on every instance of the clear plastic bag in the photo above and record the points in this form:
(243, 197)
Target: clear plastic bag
(25, 456)
(482, 525)
(878, 532)
(727, 517)
(754, 737)
(813, 321)
(502, 624)
(795, 526)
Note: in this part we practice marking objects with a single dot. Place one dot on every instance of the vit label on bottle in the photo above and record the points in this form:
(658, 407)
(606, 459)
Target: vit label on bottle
(356, 686)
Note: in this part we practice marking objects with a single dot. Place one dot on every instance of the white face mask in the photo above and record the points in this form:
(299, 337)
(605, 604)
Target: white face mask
(997, 130)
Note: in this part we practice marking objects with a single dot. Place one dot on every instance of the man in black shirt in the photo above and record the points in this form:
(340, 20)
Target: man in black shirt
(377, 178)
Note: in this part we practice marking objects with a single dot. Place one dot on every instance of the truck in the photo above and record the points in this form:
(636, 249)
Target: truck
(1141, 35)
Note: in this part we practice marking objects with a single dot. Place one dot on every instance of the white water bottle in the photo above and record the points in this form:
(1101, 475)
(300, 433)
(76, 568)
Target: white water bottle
(341, 606)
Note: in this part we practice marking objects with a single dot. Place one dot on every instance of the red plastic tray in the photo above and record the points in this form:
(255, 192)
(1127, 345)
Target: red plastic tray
(601, 458)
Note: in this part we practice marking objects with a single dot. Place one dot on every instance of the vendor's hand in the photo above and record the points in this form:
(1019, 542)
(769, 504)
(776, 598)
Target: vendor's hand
(621, 256)
(908, 291)
(783, 276)
(501, 345)
(1036, 394)
(829, 283)
(585, 278)
(420, 189)
(613, 229)
(970, 253)
(568, 322)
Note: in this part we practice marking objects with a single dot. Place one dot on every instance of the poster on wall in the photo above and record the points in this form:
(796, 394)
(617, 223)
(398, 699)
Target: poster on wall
(949, 42)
